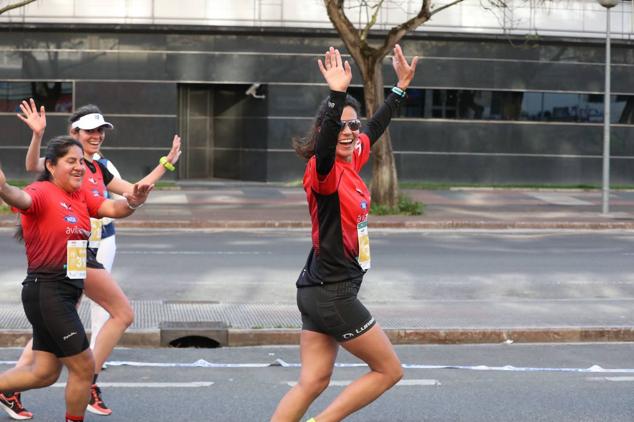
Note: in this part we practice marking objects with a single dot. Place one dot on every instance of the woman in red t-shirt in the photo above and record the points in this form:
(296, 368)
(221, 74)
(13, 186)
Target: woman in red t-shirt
(55, 220)
(88, 126)
(339, 202)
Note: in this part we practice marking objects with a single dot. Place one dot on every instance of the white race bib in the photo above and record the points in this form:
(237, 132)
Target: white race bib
(364, 245)
(95, 233)
(76, 259)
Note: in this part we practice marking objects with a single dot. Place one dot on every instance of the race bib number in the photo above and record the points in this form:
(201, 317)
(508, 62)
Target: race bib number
(364, 245)
(95, 233)
(76, 259)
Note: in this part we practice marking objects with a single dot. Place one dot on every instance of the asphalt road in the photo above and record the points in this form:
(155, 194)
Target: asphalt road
(262, 266)
(545, 383)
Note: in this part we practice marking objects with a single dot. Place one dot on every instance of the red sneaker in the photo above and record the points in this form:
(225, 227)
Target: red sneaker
(96, 404)
(13, 406)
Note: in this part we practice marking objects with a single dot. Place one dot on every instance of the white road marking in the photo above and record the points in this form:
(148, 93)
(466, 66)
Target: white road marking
(613, 379)
(196, 384)
(558, 198)
(124, 252)
(401, 383)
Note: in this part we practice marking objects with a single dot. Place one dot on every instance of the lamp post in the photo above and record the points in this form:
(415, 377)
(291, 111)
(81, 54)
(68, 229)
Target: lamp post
(605, 197)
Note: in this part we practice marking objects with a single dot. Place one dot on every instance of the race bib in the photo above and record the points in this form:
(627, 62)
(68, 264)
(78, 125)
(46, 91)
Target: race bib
(364, 245)
(95, 233)
(76, 259)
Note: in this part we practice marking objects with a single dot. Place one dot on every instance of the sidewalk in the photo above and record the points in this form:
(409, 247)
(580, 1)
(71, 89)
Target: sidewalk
(239, 205)
(229, 204)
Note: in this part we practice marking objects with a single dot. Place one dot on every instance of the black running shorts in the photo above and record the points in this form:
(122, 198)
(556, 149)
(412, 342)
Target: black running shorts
(50, 307)
(91, 259)
(334, 310)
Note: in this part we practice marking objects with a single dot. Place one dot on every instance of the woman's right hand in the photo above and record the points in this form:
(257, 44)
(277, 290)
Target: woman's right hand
(34, 120)
(337, 74)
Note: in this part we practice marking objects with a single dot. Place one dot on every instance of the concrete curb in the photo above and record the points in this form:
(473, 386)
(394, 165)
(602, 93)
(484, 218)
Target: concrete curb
(413, 225)
(269, 337)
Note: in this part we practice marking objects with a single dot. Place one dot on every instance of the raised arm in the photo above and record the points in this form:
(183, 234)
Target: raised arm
(13, 196)
(121, 186)
(377, 124)
(37, 123)
(119, 208)
(338, 76)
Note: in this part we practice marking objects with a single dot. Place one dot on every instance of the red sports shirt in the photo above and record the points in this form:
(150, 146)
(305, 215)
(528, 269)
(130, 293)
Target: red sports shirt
(54, 218)
(337, 204)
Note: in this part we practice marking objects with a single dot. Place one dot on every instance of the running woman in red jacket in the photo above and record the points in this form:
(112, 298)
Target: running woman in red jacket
(339, 202)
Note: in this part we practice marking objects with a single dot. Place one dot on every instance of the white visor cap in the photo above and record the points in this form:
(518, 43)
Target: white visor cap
(91, 121)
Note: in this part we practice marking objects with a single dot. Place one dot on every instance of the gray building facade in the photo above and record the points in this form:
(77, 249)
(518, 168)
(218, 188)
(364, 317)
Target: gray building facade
(481, 109)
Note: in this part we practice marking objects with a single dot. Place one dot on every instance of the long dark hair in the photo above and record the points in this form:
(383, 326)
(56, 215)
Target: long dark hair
(305, 147)
(81, 112)
(56, 148)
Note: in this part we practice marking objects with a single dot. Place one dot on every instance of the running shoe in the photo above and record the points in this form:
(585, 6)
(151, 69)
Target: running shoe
(96, 404)
(13, 406)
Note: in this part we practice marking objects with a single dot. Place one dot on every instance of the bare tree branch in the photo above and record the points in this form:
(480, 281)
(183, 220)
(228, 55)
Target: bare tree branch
(440, 9)
(15, 6)
(372, 20)
(397, 32)
(349, 34)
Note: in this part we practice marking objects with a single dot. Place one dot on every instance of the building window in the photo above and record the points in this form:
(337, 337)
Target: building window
(56, 97)
(465, 104)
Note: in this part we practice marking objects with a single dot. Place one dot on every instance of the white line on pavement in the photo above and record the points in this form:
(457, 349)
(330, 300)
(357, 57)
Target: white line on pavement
(124, 252)
(613, 379)
(197, 384)
(401, 383)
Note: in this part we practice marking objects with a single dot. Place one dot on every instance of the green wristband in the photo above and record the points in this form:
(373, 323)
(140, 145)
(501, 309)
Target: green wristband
(163, 161)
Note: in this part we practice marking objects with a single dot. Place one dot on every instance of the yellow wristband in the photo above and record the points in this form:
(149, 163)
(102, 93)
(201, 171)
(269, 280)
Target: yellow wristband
(163, 161)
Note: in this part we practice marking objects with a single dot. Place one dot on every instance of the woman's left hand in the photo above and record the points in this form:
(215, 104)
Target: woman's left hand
(139, 195)
(404, 71)
(175, 152)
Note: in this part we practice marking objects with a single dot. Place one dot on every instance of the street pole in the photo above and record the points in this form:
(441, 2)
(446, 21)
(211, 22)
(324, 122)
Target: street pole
(605, 196)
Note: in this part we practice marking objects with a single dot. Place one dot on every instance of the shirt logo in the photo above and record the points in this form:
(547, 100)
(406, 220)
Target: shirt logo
(331, 104)
(96, 193)
(71, 219)
(93, 181)
(364, 205)
(65, 206)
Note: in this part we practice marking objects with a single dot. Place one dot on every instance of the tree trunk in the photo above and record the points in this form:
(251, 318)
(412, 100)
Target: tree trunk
(384, 187)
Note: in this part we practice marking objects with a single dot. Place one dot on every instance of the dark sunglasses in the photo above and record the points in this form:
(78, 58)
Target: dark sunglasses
(353, 124)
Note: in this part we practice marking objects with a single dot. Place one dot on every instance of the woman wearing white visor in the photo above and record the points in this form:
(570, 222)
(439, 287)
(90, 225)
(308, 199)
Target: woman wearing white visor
(88, 126)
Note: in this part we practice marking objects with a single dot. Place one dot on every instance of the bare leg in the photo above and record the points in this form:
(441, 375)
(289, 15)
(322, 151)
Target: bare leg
(81, 368)
(318, 353)
(27, 356)
(43, 372)
(375, 349)
(103, 289)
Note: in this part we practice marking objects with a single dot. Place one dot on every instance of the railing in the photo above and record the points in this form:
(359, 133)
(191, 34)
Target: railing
(580, 18)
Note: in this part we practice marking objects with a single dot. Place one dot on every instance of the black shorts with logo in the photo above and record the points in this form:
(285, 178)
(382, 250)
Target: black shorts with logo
(50, 307)
(334, 309)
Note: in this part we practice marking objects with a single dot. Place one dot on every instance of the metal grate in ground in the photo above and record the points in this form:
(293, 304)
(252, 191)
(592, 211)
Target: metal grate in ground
(150, 313)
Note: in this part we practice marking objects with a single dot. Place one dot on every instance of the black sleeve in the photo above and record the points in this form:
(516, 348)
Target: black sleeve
(326, 143)
(378, 123)
(107, 176)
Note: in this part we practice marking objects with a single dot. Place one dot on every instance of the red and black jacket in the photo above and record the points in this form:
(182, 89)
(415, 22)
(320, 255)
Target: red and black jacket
(338, 199)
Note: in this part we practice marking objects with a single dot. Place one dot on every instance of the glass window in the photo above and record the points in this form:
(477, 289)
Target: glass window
(509, 105)
(55, 96)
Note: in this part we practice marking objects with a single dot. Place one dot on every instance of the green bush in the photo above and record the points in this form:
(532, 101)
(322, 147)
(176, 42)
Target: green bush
(405, 206)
